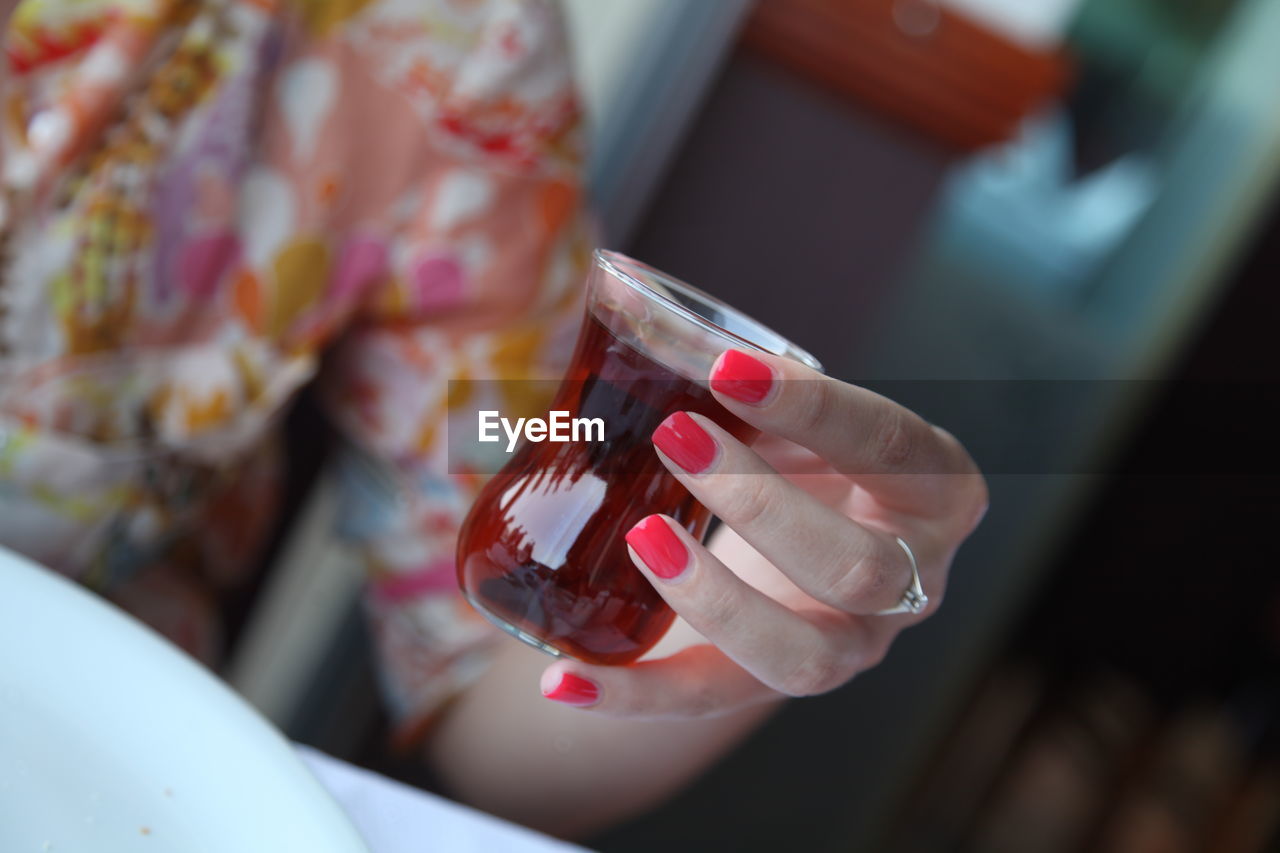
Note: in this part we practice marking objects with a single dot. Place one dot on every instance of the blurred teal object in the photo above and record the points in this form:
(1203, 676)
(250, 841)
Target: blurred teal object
(1019, 210)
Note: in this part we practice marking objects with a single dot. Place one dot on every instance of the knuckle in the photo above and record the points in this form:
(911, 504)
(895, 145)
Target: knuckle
(815, 407)
(632, 702)
(862, 584)
(702, 699)
(719, 606)
(820, 672)
(896, 440)
(696, 692)
(748, 501)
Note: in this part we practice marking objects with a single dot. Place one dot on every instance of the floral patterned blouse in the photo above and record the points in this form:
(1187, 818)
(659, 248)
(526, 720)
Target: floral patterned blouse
(210, 203)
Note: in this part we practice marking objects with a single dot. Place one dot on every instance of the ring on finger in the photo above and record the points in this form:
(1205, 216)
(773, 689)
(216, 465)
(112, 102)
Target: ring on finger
(913, 598)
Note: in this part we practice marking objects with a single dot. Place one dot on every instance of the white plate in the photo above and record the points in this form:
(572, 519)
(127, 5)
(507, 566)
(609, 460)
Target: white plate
(113, 740)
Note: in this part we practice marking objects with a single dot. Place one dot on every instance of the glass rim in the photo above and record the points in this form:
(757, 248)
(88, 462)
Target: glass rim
(614, 263)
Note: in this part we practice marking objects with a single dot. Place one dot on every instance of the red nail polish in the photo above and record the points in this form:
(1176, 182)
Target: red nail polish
(687, 444)
(742, 377)
(659, 547)
(574, 690)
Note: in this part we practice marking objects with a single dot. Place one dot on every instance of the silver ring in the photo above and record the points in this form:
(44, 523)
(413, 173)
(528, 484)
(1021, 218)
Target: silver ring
(913, 600)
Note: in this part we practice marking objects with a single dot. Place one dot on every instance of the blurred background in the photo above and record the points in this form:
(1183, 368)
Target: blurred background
(1047, 225)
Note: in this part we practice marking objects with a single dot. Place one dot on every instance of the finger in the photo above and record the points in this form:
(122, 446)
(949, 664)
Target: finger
(832, 558)
(889, 449)
(699, 681)
(797, 653)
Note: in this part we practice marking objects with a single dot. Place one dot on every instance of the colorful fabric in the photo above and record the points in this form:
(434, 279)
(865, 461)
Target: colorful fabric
(202, 199)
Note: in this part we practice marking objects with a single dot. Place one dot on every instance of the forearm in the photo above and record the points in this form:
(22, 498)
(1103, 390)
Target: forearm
(506, 749)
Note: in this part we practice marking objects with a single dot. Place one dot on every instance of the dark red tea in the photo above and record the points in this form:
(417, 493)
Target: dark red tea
(542, 552)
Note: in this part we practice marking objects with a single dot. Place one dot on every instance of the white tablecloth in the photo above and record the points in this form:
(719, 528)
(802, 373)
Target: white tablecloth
(396, 818)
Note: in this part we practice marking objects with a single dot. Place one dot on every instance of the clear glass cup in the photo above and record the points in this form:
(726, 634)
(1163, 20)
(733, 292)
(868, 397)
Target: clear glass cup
(541, 553)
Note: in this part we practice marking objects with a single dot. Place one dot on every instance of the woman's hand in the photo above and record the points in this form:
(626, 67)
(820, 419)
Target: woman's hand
(788, 596)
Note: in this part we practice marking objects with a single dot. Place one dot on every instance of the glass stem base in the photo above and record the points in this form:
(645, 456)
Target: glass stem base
(523, 636)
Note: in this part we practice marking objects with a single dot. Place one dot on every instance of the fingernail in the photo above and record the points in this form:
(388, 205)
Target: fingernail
(659, 547)
(742, 377)
(574, 690)
(686, 443)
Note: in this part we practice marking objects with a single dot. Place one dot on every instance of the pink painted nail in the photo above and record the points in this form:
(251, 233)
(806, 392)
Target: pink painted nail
(574, 690)
(659, 547)
(743, 377)
(686, 443)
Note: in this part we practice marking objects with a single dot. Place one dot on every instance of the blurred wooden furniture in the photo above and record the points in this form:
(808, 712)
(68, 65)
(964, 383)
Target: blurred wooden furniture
(912, 61)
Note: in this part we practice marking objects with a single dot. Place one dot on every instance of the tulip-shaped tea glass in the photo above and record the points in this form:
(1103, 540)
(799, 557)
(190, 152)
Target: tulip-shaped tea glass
(542, 553)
